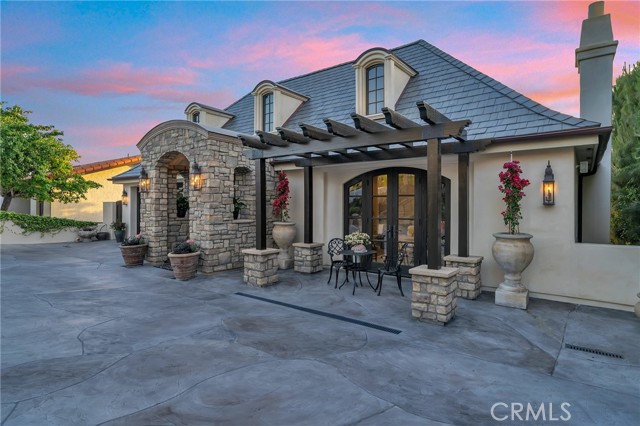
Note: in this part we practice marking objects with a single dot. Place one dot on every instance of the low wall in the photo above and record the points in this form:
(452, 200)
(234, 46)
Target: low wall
(588, 274)
(12, 234)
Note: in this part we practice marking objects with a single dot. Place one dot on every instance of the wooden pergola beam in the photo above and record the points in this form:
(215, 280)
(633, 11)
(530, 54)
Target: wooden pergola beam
(397, 120)
(367, 125)
(271, 139)
(340, 129)
(431, 115)
(292, 136)
(252, 142)
(315, 132)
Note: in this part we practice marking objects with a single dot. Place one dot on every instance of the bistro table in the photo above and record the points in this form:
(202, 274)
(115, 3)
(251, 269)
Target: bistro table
(361, 261)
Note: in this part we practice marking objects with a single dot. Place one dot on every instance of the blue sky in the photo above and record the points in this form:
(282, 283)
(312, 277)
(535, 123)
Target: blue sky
(107, 72)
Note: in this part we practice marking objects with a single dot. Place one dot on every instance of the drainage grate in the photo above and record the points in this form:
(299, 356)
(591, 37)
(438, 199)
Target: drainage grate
(592, 351)
(324, 314)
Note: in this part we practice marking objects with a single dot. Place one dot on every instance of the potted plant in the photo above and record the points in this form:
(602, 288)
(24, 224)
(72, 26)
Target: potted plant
(133, 250)
(118, 230)
(87, 233)
(284, 232)
(184, 259)
(512, 250)
(182, 204)
(358, 241)
(237, 206)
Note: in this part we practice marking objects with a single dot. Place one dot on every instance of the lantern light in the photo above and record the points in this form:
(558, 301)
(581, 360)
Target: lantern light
(196, 177)
(548, 187)
(125, 198)
(145, 182)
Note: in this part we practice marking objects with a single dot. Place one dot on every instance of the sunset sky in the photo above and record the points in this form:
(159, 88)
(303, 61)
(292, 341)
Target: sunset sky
(107, 72)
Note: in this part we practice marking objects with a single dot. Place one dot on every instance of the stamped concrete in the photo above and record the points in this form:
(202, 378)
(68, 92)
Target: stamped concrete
(86, 341)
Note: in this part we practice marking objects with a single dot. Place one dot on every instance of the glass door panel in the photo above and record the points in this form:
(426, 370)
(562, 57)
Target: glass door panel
(355, 207)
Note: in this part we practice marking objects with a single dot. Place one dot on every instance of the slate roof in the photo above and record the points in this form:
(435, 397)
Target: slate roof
(132, 173)
(449, 85)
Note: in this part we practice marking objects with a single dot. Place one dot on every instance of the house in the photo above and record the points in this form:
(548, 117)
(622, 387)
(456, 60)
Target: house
(404, 144)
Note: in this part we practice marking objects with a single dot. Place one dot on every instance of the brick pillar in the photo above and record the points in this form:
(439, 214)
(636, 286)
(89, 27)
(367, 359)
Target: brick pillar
(307, 257)
(469, 283)
(434, 294)
(260, 267)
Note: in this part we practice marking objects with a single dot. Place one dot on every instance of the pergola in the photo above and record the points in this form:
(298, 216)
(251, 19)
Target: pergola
(369, 140)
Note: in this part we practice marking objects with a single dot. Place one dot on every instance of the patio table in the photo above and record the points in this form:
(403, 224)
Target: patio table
(361, 261)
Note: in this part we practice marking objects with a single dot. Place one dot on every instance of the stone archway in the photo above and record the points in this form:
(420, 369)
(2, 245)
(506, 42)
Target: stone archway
(168, 152)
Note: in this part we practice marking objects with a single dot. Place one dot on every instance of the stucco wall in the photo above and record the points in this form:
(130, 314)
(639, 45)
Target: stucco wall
(91, 208)
(12, 234)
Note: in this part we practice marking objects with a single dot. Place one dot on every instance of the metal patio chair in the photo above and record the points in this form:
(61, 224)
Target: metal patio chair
(334, 249)
(392, 266)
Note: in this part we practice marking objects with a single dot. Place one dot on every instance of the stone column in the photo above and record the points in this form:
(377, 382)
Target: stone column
(307, 257)
(469, 283)
(434, 294)
(260, 267)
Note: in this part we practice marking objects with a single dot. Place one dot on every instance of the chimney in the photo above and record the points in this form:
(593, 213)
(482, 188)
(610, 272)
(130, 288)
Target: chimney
(594, 60)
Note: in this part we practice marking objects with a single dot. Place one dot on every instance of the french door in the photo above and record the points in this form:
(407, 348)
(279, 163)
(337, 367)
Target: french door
(391, 206)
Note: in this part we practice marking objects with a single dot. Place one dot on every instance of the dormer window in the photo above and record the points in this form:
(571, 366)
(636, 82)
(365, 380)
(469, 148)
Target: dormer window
(207, 115)
(375, 89)
(380, 80)
(273, 105)
(196, 117)
(267, 112)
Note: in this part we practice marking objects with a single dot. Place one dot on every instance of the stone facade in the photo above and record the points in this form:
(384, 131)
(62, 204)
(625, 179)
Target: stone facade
(168, 153)
(469, 282)
(260, 267)
(307, 257)
(434, 296)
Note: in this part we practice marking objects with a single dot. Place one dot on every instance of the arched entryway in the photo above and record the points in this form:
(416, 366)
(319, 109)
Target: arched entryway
(391, 205)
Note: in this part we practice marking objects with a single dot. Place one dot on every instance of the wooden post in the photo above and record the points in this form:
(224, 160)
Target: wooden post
(463, 205)
(261, 205)
(434, 203)
(308, 205)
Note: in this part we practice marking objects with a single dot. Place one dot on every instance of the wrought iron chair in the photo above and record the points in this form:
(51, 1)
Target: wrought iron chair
(392, 267)
(334, 249)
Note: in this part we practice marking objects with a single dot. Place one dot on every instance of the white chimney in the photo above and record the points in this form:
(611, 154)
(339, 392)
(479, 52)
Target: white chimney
(594, 60)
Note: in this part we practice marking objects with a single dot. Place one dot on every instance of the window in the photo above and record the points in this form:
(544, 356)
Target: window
(195, 117)
(375, 89)
(267, 112)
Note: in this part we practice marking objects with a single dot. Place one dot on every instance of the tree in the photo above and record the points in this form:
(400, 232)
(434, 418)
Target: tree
(625, 159)
(35, 163)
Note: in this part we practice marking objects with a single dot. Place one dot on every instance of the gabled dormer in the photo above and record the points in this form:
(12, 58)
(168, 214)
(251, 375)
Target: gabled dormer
(207, 115)
(273, 104)
(380, 80)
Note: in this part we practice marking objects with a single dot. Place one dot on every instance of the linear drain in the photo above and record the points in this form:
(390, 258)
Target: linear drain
(592, 351)
(322, 313)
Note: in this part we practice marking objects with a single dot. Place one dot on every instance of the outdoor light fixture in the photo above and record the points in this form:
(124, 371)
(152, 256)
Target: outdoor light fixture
(145, 182)
(196, 177)
(548, 187)
(125, 198)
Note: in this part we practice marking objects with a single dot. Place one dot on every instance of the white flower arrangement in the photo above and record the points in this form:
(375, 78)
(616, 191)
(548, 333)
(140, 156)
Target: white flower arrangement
(356, 238)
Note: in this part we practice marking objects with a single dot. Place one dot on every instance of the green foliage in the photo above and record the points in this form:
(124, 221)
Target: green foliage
(44, 225)
(625, 158)
(35, 163)
(182, 202)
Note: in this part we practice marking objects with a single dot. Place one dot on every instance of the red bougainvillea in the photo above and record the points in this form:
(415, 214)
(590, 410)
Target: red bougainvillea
(281, 203)
(512, 186)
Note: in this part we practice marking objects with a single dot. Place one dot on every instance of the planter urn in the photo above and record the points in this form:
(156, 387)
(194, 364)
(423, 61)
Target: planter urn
(184, 265)
(86, 235)
(134, 255)
(513, 253)
(119, 234)
(284, 233)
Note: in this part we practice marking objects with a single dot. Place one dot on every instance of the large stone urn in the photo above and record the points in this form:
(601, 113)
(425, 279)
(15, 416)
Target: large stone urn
(184, 265)
(134, 255)
(283, 235)
(513, 253)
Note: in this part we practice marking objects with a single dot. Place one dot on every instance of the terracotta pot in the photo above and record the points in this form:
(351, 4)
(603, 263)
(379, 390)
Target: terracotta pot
(134, 255)
(513, 253)
(283, 235)
(185, 265)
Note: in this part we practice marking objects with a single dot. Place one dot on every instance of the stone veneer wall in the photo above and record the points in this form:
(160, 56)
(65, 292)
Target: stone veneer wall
(469, 282)
(210, 218)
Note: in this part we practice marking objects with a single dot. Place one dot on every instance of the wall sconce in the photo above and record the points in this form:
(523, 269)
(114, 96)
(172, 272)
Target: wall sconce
(548, 187)
(125, 198)
(145, 182)
(196, 177)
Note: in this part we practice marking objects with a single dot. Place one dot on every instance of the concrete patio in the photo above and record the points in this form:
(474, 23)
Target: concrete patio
(86, 341)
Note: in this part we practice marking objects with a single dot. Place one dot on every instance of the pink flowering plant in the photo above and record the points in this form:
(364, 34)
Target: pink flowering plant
(281, 202)
(512, 186)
